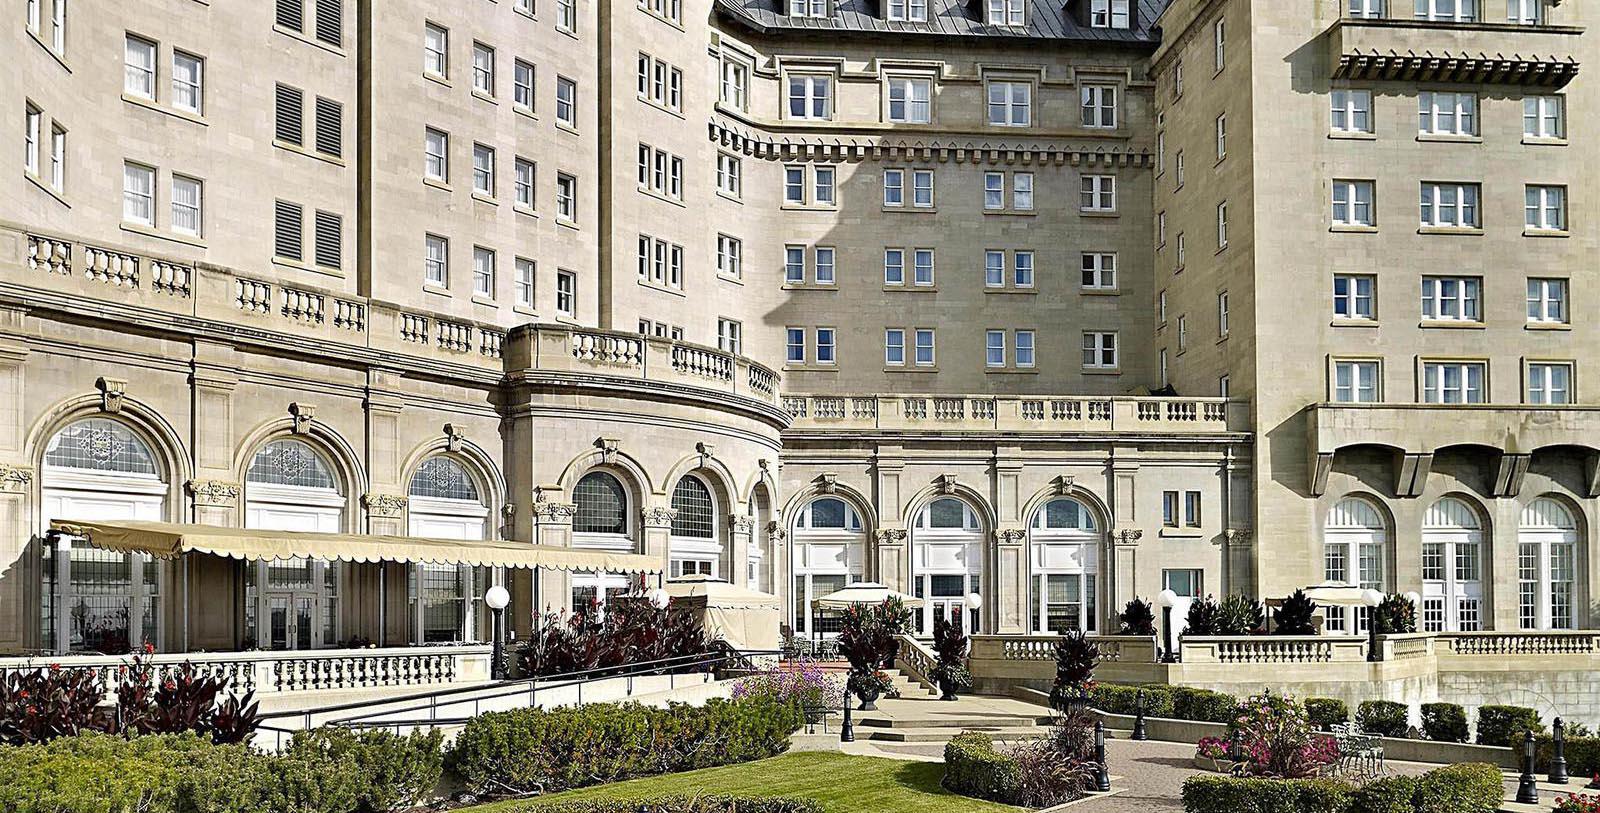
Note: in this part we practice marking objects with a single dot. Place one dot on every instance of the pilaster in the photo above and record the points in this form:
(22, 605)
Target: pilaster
(386, 513)
(740, 529)
(1010, 598)
(893, 565)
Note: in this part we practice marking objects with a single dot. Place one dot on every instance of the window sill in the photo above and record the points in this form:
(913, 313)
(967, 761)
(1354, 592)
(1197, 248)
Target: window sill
(567, 128)
(47, 189)
(911, 368)
(524, 211)
(1353, 136)
(525, 311)
(730, 197)
(730, 279)
(1451, 325)
(1012, 370)
(1222, 338)
(1353, 323)
(484, 97)
(909, 210)
(568, 224)
(1102, 371)
(525, 112)
(1352, 229)
(801, 207)
(148, 104)
(299, 150)
(1547, 326)
(312, 41)
(482, 198)
(480, 299)
(1181, 533)
(911, 289)
(135, 228)
(1099, 213)
(54, 54)
(1456, 230)
(436, 290)
(436, 184)
(811, 368)
(1544, 141)
(436, 78)
(1100, 291)
(1450, 138)
(649, 102)
(818, 286)
(654, 195)
(1024, 213)
(658, 287)
(1546, 233)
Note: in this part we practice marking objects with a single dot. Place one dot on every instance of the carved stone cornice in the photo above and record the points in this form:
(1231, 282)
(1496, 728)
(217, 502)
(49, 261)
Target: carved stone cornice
(549, 511)
(1129, 536)
(214, 492)
(659, 517)
(14, 479)
(1010, 536)
(385, 505)
(892, 536)
(742, 524)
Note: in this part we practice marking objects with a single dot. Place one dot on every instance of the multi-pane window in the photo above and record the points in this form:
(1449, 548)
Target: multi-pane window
(923, 338)
(436, 50)
(808, 8)
(660, 83)
(188, 82)
(1460, 11)
(735, 84)
(1352, 111)
(794, 185)
(138, 194)
(894, 266)
(1544, 117)
(994, 344)
(482, 271)
(1183, 333)
(1022, 269)
(825, 345)
(908, 11)
(526, 7)
(809, 96)
(1524, 12)
(1449, 205)
(1545, 208)
(1453, 382)
(660, 172)
(994, 269)
(566, 101)
(523, 283)
(1097, 105)
(794, 266)
(1010, 104)
(894, 187)
(522, 182)
(910, 100)
(822, 260)
(33, 121)
(436, 260)
(822, 186)
(1005, 12)
(730, 256)
(1022, 191)
(1352, 203)
(1355, 382)
(1024, 348)
(730, 175)
(1222, 314)
(994, 190)
(794, 345)
(522, 80)
(567, 15)
(1447, 113)
(1177, 171)
(1219, 44)
(894, 347)
(483, 169)
(1222, 136)
(58, 158)
(1098, 193)
(660, 262)
(821, 190)
(922, 266)
(1183, 251)
(1366, 9)
(1549, 383)
(139, 68)
(1353, 296)
(1099, 270)
(566, 197)
(1109, 13)
(483, 68)
(1547, 300)
(1099, 350)
(730, 336)
(1180, 509)
(1451, 299)
(566, 293)
(188, 201)
(436, 154)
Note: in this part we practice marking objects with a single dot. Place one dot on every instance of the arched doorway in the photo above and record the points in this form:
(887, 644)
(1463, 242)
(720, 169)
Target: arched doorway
(603, 521)
(696, 544)
(1064, 543)
(947, 561)
(828, 552)
(1452, 568)
(1547, 562)
(98, 600)
(445, 502)
(1354, 539)
(292, 603)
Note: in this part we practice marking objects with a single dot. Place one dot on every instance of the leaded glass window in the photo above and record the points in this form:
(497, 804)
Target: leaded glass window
(289, 462)
(696, 512)
(100, 444)
(602, 505)
(443, 478)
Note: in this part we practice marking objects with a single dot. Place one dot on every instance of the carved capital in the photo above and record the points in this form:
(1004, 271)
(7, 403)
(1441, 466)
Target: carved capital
(303, 415)
(111, 392)
(946, 483)
(214, 492)
(384, 505)
(1010, 536)
(14, 479)
(659, 517)
(892, 536)
(742, 523)
(1129, 536)
(547, 511)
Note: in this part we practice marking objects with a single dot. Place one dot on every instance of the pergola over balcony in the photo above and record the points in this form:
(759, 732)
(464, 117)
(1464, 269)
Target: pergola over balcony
(1406, 49)
(1415, 431)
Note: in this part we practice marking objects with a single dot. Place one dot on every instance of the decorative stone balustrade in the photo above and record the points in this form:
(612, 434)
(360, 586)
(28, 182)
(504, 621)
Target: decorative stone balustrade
(303, 306)
(1009, 413)
(916, 659)
(349, 315)
(413, 328)
(1273, 649)
(49, 255)
(252, 296)
(111, 267)
(702, 362)
(454, 336)
(1503, 644)
(170, 278)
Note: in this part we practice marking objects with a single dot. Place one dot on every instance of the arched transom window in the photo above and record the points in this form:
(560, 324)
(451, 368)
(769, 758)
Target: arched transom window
(445, 479)
(1452, 567)
(696, 515)
(1064, 553)
(1353, 542)
(1547, 566)
(289, 462)
(602, 505)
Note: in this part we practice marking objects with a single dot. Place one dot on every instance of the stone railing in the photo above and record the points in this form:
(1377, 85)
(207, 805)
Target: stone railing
(541, 348)
(1407, 646)
(1502, 644)
(278, 672)
(1272, 649)
(1016, 413)
(916, 660)
(1113, 648)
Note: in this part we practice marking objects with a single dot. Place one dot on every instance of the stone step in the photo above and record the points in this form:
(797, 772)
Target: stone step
(974, 720)
(945, 734)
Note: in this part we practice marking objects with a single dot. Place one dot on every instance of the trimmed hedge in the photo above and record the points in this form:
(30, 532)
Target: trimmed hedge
(678, 804)
(1471, 787)
(1464, 788)
(972, 767)
(1326, 712)
(1209, 793)
(1122, 699)
(1583, 755)
(1444, 722)
(1389, 794)
(1203, 705)
(551, 750)
(1383, 717)
(393, 772)
(1505, 725)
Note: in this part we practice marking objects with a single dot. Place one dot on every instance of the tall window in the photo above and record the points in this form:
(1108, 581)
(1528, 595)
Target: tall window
(482, 272)
(910, 100)
(795, 345)
(188, 79)
(695, 547)
(483, 169)
(829, 553)
(1452, 568)
(58, 158)
(436, 261)
(292, 603)
(1547, 548)
(139, 68)
(730, 256)
(735, 84)
(436, 50)
(995, 348)
(187, 206)
(602, 515)
(436, 154)
(526, 270)
(923, 348)
(566, 293)
(730, 175)
(138, 194)
(1064, 542)
(33, 120)
(825, 346)
(1354, 542)
(523, 183)
(482, 69)
(522, 78)
(566, 101)
(894, 347)
(566, 197)
(730, 336)
(947, 562)
(445, 503)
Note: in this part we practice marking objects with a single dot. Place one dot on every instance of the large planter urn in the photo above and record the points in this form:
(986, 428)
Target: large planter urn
(947, 688)
(869, 696)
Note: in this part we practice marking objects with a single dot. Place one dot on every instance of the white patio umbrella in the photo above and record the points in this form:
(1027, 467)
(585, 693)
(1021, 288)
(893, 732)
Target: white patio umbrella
(1336, 594)
(862, 593)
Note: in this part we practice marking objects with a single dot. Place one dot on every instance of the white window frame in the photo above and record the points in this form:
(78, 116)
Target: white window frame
(1098, 193)
(1101, 350)
(142, 197)
(1544, 389)
(1350, 111)
(811, 94)
(1548, 300)
(1099, 270)
(1097, 106)
(1544, 208)
(1356, 381)
(994, 349)
(483, 69)
(1010, 103)
(1464, 211)
(1359, 300)
(524, 181)
(524, 78)
(436, 161)
(1452, 299)
(566, 102)
(1544, 117)
(730, 256)
(526, 273)
(483, 272)
(825, 349)
(188, 87)
(1470, 384)
(566, 197)
(730, 175)
(436, 264)
(1353, 203)
(1450, 114)
(483, 160)
(894, 347)
(566, 293)
(436, 55)
(914, 97)
(930, 345)
(139, 67)
(1006, 12)
(1109, 14)
(183, 210)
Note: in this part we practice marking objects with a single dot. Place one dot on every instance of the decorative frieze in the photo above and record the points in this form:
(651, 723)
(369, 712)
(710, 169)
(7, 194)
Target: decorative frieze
(14, 479)
(892, 536)
(659, 517)
(548, 511)
(385, 505)
(221, 493)
(1011, 536)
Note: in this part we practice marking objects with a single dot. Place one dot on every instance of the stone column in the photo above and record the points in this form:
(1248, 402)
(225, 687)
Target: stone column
(893, 566)
(1009, 588)
(740, 527)
(552, 527)
(779, 570)
(20, 574)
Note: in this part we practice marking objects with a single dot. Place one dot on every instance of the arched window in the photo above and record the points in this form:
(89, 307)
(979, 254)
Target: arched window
(828, 553)
(947, 561)
(602, 505)
(1064, 552)
(1452, 567)
(445, 504)
(695, 544)
(292, 603)
(445, 479)
(1353, 541)
(1547, 566)
(95, 600)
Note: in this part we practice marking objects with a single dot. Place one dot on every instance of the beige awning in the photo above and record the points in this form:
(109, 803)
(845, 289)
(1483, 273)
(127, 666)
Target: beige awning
(168, 539)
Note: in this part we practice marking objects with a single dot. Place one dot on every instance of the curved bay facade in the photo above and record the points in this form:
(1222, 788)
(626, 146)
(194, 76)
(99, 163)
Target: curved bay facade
(964, 298)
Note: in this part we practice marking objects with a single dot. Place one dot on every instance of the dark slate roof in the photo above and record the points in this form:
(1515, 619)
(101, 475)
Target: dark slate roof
(1047, 19)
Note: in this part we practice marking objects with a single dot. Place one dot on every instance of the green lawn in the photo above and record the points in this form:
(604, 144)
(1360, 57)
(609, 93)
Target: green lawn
(843, 784)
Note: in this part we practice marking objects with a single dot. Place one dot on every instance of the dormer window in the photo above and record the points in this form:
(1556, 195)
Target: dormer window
(1109, 13)
(1004, 12)
(808, 8)
(908, 11)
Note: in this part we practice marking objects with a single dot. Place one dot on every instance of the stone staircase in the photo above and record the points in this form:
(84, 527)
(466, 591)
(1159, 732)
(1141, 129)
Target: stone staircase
(910, 687)
(923, 718)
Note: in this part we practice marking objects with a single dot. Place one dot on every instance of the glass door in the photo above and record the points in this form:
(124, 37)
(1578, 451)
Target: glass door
(291, 620)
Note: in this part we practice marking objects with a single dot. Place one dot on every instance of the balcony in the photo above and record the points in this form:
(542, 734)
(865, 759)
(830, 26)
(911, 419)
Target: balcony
(1093, 415)
(1403, 48)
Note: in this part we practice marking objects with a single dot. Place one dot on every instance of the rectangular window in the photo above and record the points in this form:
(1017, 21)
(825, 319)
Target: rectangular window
(1353, 296)
(139, 68)
(1170, 512)
(566, 101)
(794, 185)
(808, 8)
(908, 11)
(566, 293)
(1352, 203)
(1459, 11)
(994, 342)
(526, 7)
(291, 14)
(1022, 269)
(58, 158)
(924, 347)
(33, 121)
(483, 169)
(330, 22)
(1010, 104)
(730, 175)
(824, 265)
(794, 265)
(522, 78)
(436, 50)
(1366, 9)
(922, 188)
(1183, 251)
(1549, 384)
(1524, 12)
(1449, 205)
(188, 82)
(288, 121)
(795, 345)
(1544, 117)
(1454, 114)
(1098, 106)
(822, 184)
(1545, 208)
(287, 230)
(188, 200)
(910, 100)
(825, 345)
(1453, 382)
(1222, 314)
(894, 266)
(1177, 171)
(730, 253)
(1219, 44)
(994, 269)
(994, 190)
(894, 187)
(922, 266)
(566, 197)
(1352, 111)
(1022, 191)
(1183, 333)
(1005, 12)
(1355, 382)
(809, 96)
(1024, 348)
(735, 84)
(1191, 509)
(436, 154)
(523, 183)
(436, 261)
(1099, 193)
(1099, 350)
(482, 69)
(894, 347)
(567, 15)
(730, 336)
(1109, 14)
(1547, 300)
(1099, 271)
(1222, 225)
(1222, 137)
(330, 239)
(482, 271)
(139, 194)
(1451, 299)
(330, 127)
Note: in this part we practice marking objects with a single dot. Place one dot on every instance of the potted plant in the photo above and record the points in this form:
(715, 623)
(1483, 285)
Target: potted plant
(1295, 616)
(1138, 618)
(950, 645)
(871, 686)
(866, 637)
(1076, 658)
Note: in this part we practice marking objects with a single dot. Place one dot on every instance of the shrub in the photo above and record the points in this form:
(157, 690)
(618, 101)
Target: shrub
(1327, 712)
(1583, 755)
(1471, 787)
(1209, 793)
(1044, 778)
(1396, 614)
(394, 772)
(1076, 658)
(1277, 740)
(1295, 616)
(950, 645)
(677, 804)
(805, 683)
(1444, 722)
(1505, 725)
(972, 767)
(1137, 618)
(550, 750)
(1389, 794)
(1204, 705)
(1204, 617)
(631, 630)
(1122, 699)
(48, 703)
(1238, 615)
(1385, 718)
(183, 700)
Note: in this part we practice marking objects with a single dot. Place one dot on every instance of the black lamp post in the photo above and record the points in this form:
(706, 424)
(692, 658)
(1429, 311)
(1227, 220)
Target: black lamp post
(1166, 599)
(1138, 718)
(1527, 791)
(1372, 598)
(1102, 773)
(1558, 756)
(847, 731)
(497, 598)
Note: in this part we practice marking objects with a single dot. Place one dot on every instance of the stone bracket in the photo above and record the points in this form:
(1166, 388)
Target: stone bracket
(1411, 473)
(1511, 469)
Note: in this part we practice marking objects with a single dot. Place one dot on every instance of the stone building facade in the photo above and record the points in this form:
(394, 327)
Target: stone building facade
(788, 294)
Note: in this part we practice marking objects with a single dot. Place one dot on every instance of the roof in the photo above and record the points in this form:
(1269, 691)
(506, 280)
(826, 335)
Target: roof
(1047, 19)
